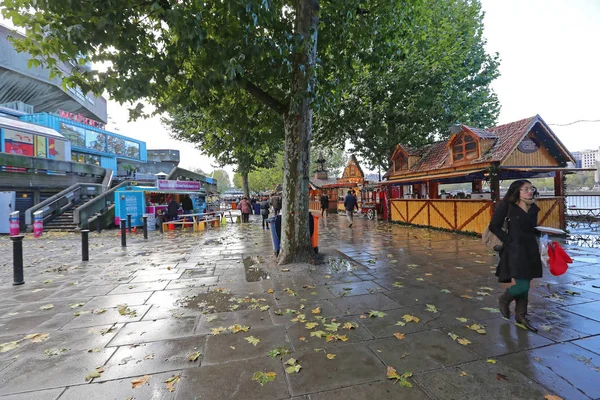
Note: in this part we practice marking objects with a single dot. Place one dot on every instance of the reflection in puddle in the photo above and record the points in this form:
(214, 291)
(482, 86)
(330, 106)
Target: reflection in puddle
(583, 240)
(215, 301)
(253, 272)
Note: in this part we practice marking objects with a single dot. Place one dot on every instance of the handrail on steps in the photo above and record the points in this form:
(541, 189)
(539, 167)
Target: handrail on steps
(97, 205)
(62, 199)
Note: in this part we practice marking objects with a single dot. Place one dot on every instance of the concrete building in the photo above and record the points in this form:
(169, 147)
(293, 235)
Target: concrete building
(589, 158)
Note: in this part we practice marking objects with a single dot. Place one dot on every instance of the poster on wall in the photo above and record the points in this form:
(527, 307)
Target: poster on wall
(130, 203)
(40, 146)
(16, 142)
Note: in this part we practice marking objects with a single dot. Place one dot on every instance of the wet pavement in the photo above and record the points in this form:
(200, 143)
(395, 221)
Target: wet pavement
(211, 316)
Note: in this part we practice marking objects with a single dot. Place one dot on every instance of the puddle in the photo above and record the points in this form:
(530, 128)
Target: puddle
(341, 264)
(253, 272)
(584, 240)
(214, 301)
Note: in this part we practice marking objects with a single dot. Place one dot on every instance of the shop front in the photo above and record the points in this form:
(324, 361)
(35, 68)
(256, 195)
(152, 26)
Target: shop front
(25, 139)
(153, 201)
(523, 149)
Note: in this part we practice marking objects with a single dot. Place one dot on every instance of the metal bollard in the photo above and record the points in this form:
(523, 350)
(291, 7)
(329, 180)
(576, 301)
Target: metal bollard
(123, 233)
(17, 259)
(85, 249)
(98, 223)
(129, 222)
(145, 218)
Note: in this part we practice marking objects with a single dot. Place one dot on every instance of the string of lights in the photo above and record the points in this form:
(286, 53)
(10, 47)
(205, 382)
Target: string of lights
(576, 122)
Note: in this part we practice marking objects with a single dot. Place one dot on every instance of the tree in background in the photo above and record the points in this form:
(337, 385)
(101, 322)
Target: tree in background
(246, 135)
(264, 179)
(223, 180)
(428, 70)
(336, 160)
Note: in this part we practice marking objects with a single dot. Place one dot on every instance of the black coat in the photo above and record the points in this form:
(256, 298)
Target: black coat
(520, 257)
(324, 201)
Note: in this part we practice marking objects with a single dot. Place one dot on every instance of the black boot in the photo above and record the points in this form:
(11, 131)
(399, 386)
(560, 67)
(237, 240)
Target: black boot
(521, 313)
(504, 304)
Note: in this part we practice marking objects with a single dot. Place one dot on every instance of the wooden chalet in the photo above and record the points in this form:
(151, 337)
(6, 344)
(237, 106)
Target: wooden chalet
(353, 178)
(519, 150)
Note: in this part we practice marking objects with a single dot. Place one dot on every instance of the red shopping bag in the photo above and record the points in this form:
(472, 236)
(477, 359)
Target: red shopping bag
(559, 259)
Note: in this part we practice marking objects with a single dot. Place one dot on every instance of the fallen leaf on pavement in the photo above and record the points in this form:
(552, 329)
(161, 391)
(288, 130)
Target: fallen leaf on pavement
(238, 328)
(252, 340)
(293, 366)
(490, 309)
(311, 325)
(466, 296)
(270, 291)
(47, 307)
(491, 361)
(376, 314)
(477, 328)
(141, 381)
(76, 305)
(501, 377)
(410, 318)
(216, 331)
(194, 356)
(350, 325)
(37, 337)
(463, 341)
(4, 347)
(54, 352)
(399, 336)
(211, 318)
(431, 308)
(552, 397)
(401, 379)
(264, 377)
(330, 356)
(453, 335)
(285, 270)
(94, 374)
(463, 373)
(316, 310)
(462, 319)
(171, 382)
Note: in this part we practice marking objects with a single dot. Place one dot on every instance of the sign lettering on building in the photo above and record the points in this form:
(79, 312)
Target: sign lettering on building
(529, 145)
(82, 119)
(162, 184)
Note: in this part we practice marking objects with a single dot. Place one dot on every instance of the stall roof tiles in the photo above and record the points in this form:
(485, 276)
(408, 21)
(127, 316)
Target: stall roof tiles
(480, 133)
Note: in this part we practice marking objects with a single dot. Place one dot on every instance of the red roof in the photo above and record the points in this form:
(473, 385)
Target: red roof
(506, 138)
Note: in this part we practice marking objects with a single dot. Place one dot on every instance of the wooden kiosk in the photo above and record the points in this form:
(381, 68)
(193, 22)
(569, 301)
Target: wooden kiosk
(353, 178)
(519, 150)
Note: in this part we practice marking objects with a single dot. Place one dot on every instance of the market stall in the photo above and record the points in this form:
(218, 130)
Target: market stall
(523, 149)
(153, 201)
(352, 178)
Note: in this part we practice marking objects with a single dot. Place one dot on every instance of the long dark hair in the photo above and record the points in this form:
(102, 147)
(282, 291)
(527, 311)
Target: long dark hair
(513, 194)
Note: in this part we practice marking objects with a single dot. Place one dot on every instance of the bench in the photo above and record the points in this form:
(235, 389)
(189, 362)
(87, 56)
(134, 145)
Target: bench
(198, 225)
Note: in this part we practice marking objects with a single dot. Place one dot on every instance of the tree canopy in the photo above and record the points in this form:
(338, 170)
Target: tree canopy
(376, 69)
(223, 180)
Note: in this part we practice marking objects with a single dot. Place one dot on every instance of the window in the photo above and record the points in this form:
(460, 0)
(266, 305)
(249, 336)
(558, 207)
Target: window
(400, 163)
(464, 149)
(95, 141)
(82, 158)
(75, 134)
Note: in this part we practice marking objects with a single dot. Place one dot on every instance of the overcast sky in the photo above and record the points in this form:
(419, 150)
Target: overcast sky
(550, 63)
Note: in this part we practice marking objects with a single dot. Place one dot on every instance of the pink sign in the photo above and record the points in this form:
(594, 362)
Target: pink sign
(178, 185)
(14, 225)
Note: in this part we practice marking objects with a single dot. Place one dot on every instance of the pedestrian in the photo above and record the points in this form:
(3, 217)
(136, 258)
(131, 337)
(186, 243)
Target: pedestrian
(276, 203)
(324, 204)
(520, 259)
(172, 209)
(187, 205)
(245, 208)
(264, 211)
(350, 204)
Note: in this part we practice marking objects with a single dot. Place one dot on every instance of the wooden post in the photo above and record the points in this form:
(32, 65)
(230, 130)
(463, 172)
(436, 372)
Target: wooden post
(494, 183)
(559, 192)
(433, 190)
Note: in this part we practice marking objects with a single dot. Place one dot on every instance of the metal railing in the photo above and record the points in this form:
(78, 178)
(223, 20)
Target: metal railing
(99, 205)
(582, 201)
(61, 201)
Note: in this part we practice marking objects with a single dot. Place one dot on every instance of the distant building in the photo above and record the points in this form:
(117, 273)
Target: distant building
(589, 158)
(577, 157)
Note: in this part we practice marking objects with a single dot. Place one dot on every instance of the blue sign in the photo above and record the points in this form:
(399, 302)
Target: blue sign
(129, 202)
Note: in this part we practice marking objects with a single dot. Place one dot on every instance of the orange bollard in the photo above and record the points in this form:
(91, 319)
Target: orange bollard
(315, 236)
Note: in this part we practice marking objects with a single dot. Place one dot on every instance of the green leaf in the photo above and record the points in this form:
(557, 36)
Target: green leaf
(264, 377)
(376, 314)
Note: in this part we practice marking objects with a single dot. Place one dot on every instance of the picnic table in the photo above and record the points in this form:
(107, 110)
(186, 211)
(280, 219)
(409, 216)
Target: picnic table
(198, 221)
(586, 216)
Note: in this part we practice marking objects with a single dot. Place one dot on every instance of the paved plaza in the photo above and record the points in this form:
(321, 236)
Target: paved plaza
(393, 313)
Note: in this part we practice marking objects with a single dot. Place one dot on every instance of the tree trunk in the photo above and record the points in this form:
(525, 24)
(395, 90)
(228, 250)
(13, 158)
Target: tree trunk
(295, 240)
(245, 184)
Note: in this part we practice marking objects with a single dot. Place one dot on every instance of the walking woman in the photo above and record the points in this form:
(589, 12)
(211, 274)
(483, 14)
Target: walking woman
(520, 256)
(246, 209)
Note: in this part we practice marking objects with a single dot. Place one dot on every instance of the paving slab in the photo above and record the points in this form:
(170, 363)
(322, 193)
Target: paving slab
(253, 319)
(281, 315)
(69, 368)
(108, 301)
(376, 390)
(484, 381)
(40, 323)
(233, 380)
(90, 317)
(304, 338)
(228, 346)
(388, 324)
(154, 389)
(150, 331)
(561, 325)
(154, 357)
(353, 364)
(356, 305)
(354, 289)
(50, 394)
(591, 343)
(588, 310)
(421, 351)
(568, 370)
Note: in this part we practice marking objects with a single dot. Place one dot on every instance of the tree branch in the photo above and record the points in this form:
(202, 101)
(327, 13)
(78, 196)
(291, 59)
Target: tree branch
(263, 96)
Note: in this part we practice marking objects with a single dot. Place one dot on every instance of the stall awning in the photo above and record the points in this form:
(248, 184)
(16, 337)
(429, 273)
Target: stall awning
(433, 177)
(172, 192)
(546, 169)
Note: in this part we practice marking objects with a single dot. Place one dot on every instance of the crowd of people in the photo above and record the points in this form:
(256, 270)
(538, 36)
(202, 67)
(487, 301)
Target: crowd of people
(267, 205)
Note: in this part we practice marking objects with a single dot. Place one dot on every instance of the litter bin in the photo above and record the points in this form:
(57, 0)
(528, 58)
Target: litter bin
(275, 223)
(256, 207)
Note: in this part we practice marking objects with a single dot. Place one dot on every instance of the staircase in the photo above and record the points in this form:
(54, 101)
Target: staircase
(64, 222)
